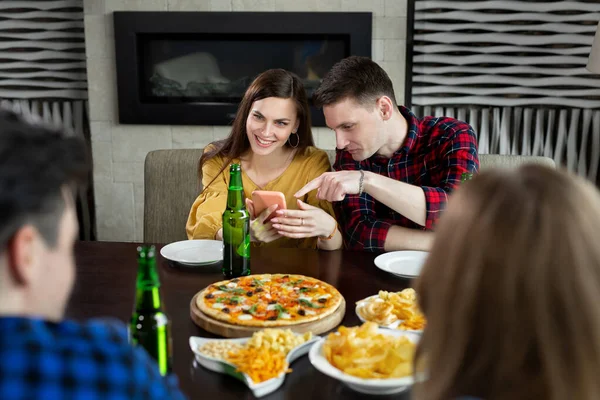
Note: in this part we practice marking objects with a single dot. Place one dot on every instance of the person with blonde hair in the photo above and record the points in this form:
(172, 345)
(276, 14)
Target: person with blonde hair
(511, 290)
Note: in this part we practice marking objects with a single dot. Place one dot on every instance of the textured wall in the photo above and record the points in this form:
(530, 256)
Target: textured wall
(505, 53)
(515, 70)
(42, 50)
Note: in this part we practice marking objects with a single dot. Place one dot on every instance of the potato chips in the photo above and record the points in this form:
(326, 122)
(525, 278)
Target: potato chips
(416, 322)
(365, 353)
(389, 307)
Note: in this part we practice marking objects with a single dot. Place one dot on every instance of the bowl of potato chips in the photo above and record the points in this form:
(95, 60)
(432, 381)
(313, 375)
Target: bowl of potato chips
(394, 310)
(261, 362)
(367, 358)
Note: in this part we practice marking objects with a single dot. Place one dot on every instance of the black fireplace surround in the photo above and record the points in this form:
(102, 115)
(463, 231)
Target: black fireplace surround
(192, 68)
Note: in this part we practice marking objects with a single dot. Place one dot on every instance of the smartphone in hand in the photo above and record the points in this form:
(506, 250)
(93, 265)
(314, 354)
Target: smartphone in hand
(264, 199)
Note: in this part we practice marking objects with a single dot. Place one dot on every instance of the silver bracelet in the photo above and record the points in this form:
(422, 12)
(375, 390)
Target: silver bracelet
(360, 182)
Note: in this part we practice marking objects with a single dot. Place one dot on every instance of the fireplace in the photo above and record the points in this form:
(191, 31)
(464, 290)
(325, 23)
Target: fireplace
(192, 68)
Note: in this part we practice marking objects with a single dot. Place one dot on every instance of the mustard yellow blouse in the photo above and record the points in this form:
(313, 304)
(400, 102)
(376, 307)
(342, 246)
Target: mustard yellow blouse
(205, 217)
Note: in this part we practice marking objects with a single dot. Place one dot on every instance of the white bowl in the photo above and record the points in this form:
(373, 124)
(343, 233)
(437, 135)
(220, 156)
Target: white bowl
(393, 325)
(367, 386)
(222, 366)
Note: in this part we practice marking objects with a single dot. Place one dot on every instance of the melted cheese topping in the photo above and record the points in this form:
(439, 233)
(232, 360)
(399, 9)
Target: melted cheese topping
(286, 291)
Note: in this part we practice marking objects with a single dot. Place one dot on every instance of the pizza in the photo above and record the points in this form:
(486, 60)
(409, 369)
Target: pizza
(268, 300)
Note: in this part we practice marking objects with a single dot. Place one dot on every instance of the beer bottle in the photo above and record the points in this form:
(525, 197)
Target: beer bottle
(466, 176)
(236, 228)
(149, 326)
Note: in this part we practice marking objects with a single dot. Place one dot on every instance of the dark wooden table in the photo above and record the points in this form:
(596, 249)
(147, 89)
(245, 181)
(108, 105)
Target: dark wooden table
(105, 286)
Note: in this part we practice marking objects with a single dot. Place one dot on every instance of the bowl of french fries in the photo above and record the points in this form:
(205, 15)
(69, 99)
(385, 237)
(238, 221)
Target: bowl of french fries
(367, 358)
(261, 361)
(394, 310)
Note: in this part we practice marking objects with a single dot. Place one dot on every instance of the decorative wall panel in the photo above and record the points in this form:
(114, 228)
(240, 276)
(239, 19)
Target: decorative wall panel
(516, 71)
(42, 50)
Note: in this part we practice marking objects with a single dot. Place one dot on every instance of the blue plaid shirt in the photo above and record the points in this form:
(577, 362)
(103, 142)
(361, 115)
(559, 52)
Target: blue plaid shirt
(69, 360)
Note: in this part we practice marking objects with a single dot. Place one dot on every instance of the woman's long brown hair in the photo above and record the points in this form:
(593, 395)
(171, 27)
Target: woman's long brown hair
(511, 290)
(271, 83)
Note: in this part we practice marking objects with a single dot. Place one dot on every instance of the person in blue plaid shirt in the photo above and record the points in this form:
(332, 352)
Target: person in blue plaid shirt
(43, 356)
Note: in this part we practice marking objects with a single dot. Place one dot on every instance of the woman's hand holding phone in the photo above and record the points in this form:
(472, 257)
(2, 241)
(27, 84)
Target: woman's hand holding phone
(260, 229)
(307, 221)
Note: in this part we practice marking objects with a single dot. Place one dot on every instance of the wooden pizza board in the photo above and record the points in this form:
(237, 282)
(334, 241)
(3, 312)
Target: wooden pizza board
(227, 330)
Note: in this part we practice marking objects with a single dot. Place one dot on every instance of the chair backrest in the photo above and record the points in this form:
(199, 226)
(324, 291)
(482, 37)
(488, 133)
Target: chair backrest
(493, 160)
(331, 155)
(170, 187)
(511, 161)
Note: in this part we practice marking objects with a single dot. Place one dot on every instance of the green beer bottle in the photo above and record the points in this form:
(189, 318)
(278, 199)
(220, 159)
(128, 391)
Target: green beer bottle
(466, 176)
(149, 326)
(236, 228)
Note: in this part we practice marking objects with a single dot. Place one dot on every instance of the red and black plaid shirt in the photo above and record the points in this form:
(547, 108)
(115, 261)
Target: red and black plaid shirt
(434, 155)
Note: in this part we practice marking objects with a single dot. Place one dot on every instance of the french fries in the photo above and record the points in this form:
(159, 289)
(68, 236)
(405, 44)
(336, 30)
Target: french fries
(389, 307)
(263, 356)
(260, 364)
(365, 353)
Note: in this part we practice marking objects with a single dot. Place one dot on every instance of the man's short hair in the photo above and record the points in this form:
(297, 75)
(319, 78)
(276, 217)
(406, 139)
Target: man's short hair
(36, 164)
(357, 78)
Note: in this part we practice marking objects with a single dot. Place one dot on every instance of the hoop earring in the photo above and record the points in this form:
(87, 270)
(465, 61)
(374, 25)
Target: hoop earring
(297, 141)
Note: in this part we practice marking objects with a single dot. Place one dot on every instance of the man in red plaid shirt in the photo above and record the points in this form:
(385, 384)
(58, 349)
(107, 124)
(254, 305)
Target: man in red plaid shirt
(394, 171)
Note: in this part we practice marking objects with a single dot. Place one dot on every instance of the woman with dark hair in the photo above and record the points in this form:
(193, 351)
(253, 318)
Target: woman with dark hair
(271, 138)
(511, 290)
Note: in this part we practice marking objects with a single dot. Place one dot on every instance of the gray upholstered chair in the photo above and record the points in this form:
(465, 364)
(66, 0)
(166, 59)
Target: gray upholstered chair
(493, 160)
(171, 185)
(511, 161)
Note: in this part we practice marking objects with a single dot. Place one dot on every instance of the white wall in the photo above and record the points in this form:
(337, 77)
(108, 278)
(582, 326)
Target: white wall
(119, 150)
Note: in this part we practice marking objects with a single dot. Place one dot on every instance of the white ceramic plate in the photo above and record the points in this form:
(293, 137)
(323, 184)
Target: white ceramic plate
(368, 386)
(194, 252)
(406, 264)
(258, 389)
(393, 325)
